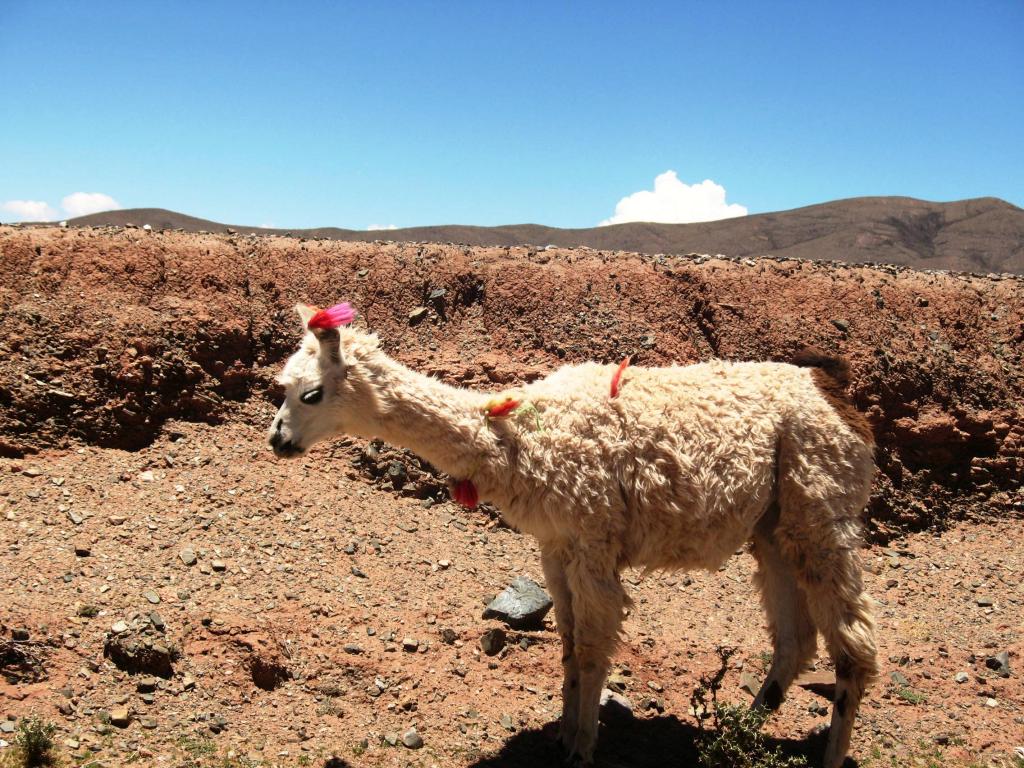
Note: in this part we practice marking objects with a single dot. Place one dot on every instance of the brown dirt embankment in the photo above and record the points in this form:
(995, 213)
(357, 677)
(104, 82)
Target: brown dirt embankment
(109, 333)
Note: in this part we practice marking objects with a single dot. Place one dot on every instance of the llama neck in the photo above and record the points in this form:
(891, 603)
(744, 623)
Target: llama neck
(439, 423)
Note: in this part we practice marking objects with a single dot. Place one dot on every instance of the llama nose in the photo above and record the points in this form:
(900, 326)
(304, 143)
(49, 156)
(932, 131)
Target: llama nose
(275, 436)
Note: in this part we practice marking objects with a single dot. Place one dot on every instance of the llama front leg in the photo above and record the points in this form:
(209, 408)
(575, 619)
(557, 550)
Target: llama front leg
(597, 603)
(553, 562)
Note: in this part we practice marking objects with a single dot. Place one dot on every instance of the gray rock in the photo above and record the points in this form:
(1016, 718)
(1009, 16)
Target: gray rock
(412, 739)
(962, 677)
(391, 739)
(418, 314)
(521, 605)
(20, 634)
(899, 679)
(614, 706)
(505, 721)
(151, 596)
(749, 683)
(397, 474)
(188, 557)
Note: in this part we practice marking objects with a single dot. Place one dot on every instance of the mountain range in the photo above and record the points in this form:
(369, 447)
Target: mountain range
(977, 235)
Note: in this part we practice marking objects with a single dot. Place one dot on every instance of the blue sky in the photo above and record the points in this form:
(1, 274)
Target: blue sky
(360, 114)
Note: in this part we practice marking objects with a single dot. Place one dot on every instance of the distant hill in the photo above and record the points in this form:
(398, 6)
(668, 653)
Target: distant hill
(980, 235)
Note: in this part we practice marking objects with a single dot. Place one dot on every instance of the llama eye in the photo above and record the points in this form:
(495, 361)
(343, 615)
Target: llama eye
(312, 397)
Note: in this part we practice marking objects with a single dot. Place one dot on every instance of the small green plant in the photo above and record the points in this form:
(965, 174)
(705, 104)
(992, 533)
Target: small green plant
(731, 735)
(34, 742)
(911, 696)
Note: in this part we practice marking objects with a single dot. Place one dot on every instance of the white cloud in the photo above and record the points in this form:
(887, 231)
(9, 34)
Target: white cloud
(84, 203)
(673, 202)
(27, 210)
(377, 227)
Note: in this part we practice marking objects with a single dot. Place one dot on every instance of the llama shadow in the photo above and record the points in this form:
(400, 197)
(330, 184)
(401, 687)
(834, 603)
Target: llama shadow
(657, 742)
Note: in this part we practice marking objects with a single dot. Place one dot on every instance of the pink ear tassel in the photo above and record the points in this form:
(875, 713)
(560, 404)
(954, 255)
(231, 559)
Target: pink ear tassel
(332, 317)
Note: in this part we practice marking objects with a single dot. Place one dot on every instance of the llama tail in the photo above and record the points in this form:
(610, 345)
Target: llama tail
(836, 368)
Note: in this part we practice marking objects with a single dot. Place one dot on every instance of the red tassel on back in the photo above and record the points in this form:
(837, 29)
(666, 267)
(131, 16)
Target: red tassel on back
(618, 375)
(502, 409)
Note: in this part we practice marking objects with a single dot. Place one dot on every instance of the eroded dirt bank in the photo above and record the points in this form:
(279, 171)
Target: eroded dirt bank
(109, 333)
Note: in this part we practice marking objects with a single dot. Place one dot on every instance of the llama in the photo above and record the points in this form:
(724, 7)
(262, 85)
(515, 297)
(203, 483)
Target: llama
(665, 468)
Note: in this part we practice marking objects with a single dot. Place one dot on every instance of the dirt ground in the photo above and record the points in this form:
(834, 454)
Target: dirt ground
(284, 613)
(348, 589)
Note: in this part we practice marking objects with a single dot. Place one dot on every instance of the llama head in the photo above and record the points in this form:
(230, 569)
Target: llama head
(320, 400)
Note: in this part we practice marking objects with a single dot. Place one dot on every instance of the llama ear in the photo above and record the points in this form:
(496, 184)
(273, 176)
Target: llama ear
(305, 312)
(330, 343)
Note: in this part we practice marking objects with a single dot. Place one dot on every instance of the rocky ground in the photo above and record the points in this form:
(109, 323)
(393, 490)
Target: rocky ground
(172, 595)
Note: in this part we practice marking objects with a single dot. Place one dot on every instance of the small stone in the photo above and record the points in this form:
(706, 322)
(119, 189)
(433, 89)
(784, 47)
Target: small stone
(82, 548)
(353, 648)
(823, 683)
(148, 723)
(146, 685)
(418, 314)
(962, 677)
(391, 739)
(505, 721)
(842, 325)
(999, 663)
(219, 565)
(188, 683)
(984, 602)
(117, 519)
(120, 716)
(157, 621)
(749, 683)
(492, 641)
(151, 596)
(991, 703)
(188, 556)
(6, 726)
(614, 706)
(20, 634)
(358, 573)
(412, 739)
(75, 518)
(899, 679)
(448, 636)
(147, 476)
(410, 644)
(119, 627)
(444, 564)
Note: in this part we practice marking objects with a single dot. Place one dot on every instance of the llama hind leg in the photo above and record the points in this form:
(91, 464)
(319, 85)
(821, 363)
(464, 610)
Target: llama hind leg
(843, 613)
(794, 639)
(597, 604)
(553, 563)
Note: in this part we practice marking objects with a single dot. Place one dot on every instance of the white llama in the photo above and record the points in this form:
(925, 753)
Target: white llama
(665, 468)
